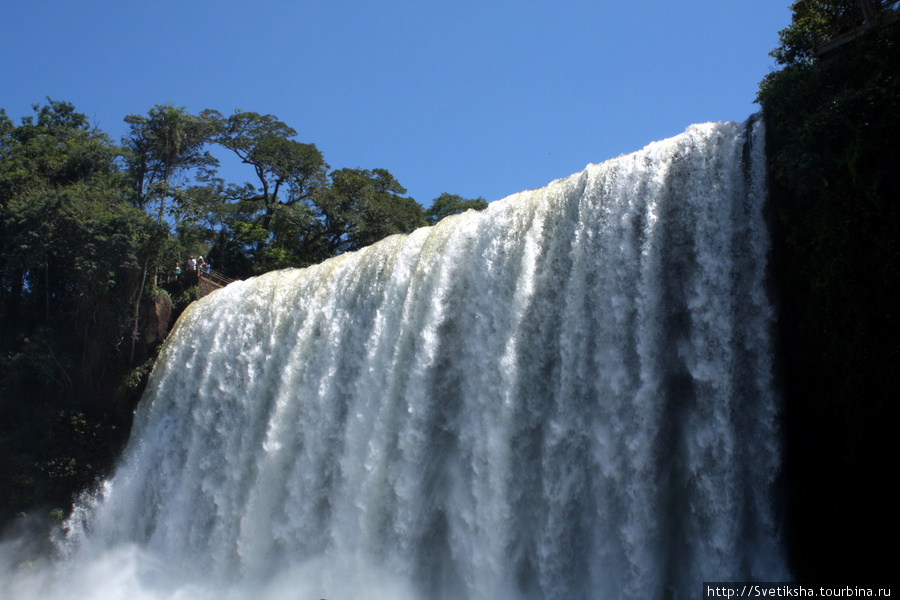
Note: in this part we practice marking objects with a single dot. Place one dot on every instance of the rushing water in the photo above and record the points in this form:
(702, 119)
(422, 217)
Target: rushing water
(566, 396)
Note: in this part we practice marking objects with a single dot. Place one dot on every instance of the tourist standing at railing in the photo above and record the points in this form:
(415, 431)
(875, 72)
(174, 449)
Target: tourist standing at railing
(192, 269)
(201, 267)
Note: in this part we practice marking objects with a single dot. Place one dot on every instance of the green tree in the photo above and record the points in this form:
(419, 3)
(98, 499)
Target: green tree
(69, 264)
(166, 143)
(287, 171)
(267, 222)
(815, 22)
(831, 121)
(451, 204)
(361, 207)
(59, 188)
(295, 213)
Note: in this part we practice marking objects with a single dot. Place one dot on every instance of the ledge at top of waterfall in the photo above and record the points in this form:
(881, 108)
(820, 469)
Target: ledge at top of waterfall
(568, 394)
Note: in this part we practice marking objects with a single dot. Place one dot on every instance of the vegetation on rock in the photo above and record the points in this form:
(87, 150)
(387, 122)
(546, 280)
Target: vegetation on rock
(90, 233)
(832, 123)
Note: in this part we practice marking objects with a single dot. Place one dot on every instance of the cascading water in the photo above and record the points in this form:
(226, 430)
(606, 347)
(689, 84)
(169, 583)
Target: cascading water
(568, 395)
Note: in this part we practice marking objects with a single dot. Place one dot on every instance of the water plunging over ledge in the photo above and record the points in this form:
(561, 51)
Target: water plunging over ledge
(568, 395)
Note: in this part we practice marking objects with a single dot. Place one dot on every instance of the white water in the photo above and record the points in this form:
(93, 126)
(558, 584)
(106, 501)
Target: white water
(568, 395)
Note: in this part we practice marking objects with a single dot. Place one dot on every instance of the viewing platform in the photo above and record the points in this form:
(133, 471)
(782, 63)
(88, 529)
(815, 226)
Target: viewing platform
(209, 281)
(206, 281)
(869, 16)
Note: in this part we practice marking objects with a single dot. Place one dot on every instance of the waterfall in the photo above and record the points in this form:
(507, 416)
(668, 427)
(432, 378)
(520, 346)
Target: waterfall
(568, 395)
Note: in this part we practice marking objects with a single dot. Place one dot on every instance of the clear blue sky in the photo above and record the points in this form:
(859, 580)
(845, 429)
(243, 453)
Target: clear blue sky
(477, 98)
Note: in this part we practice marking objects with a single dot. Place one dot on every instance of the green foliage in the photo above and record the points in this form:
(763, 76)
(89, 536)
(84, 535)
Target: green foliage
(812, 22)
(451, 204)
(160, 145)
(53, 454)
(188, 296)
(69, 252)
(133, 381)
(831, 125)
(816, 22)
(295, 213)
(280, 163)
(67, 238)
(361, 207)
(165, 143)
(90, 234)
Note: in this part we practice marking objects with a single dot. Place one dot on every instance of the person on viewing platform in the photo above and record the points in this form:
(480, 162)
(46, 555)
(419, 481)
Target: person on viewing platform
(192, 270)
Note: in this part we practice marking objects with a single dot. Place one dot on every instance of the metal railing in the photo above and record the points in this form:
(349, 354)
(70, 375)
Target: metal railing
(858, 22)
(214, 277)
(209, 275)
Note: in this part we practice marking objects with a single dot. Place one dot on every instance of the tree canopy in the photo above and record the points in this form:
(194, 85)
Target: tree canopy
(451, 204)
(71, 243)
(816, 22)
(90, 233)
(832, 114)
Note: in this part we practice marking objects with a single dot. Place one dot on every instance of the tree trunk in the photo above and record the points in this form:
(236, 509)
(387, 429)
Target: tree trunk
(137, 310)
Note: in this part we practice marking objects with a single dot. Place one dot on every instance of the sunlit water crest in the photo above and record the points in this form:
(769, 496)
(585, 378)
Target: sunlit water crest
(568, 395)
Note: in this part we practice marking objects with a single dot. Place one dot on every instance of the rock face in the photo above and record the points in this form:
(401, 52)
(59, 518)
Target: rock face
(157, 319)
